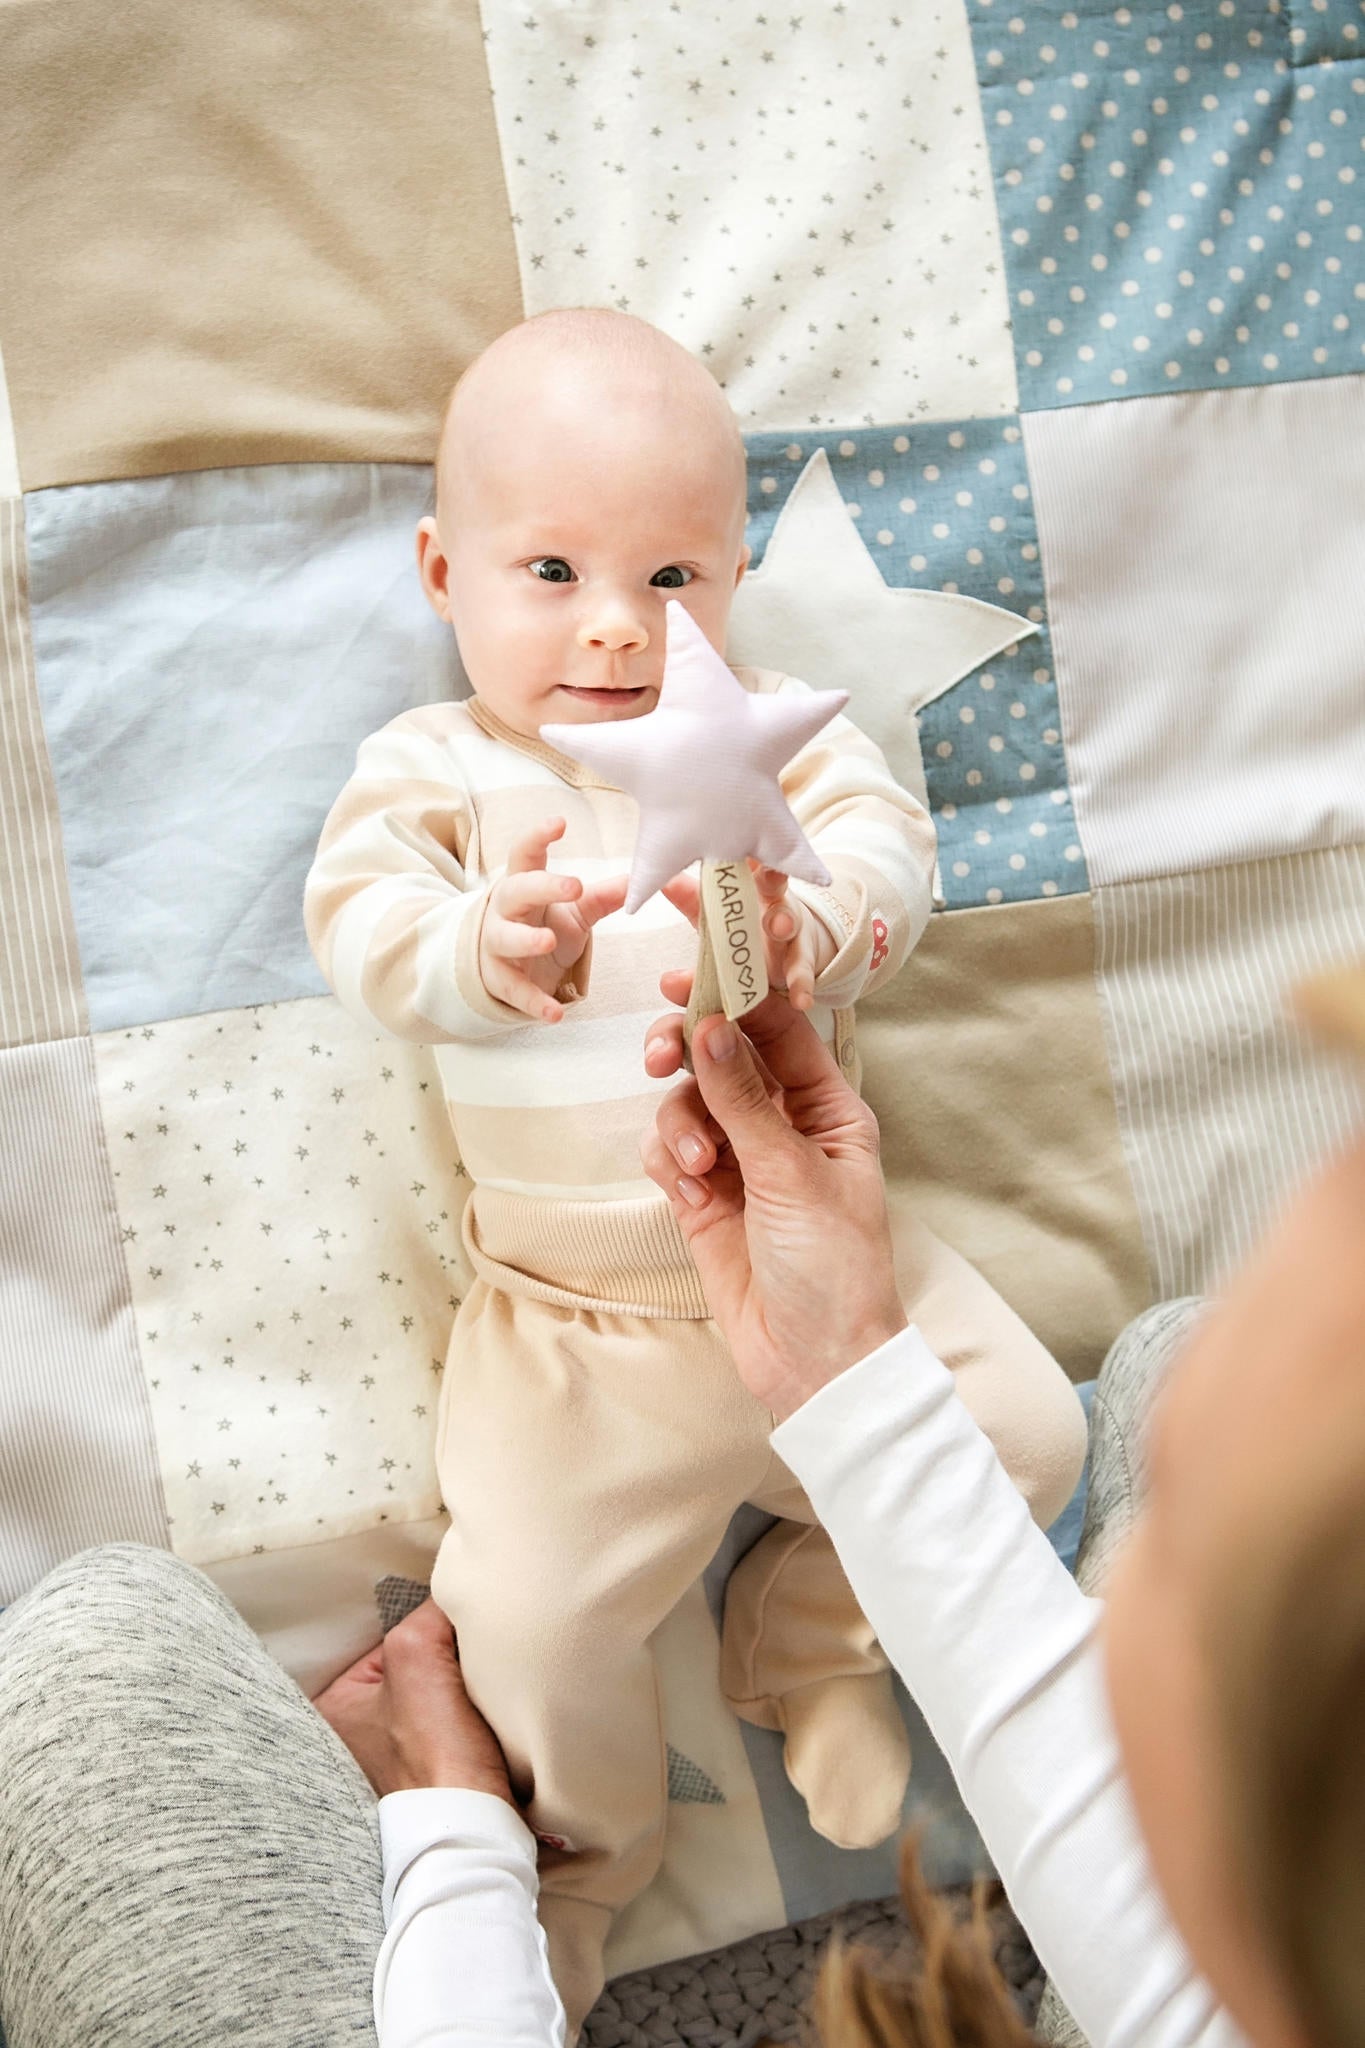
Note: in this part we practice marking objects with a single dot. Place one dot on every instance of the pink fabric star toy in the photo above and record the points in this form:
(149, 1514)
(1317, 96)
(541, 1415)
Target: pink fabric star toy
(704, 765)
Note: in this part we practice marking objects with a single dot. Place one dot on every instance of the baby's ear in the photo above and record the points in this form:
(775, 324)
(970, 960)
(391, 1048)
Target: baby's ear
(433, 567)
(745, 557)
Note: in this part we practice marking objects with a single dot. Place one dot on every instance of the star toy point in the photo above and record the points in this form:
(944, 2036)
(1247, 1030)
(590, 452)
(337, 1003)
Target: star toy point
(704, 765)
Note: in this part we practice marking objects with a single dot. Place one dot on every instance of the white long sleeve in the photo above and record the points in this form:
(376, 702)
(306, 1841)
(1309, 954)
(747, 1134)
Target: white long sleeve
(463, 1962)
(999, 1648)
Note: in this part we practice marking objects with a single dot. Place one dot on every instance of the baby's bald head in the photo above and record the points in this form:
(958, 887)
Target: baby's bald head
(584, 376)
(589, 470)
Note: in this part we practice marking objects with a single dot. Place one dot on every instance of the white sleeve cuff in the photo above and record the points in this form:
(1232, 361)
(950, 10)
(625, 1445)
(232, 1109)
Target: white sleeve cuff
(464, 1961)
(412, 1822)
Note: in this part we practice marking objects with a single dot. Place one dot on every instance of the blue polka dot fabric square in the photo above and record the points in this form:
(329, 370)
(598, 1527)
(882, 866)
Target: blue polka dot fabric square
(1180, 191)
(949, 507)
(1325, 31)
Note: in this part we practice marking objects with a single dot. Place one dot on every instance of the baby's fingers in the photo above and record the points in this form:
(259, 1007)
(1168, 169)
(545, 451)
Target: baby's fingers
(664, 1046)
(519, 992)
(527, 895)
(599, 899)
(771, 883)
(530, 851)
(684, 893)
(509, 939)
(800, 973)
(675, 985)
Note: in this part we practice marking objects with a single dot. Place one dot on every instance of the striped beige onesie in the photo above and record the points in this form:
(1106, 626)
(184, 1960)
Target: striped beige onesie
(593, 1439)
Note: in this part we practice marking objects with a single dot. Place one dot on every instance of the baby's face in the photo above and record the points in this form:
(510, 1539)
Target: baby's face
(568, 521)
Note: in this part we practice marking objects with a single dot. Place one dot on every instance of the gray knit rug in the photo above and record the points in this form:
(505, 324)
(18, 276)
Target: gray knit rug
(760, 1990)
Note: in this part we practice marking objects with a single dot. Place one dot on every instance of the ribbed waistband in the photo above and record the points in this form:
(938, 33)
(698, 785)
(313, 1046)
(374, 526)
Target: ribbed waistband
(627, 1257)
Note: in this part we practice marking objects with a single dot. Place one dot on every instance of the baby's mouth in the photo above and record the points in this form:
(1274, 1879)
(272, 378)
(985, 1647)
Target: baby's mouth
(606, 699)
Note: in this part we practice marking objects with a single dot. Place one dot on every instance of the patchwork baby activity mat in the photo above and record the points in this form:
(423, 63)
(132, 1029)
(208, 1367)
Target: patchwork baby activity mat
(1046, 330)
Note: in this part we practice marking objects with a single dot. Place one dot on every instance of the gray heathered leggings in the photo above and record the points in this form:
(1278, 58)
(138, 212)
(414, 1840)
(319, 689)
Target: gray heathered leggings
(188, 1856)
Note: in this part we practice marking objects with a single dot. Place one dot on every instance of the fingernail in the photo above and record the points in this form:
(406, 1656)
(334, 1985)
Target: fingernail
(656, 1045)
(720, 1041)
(691, 1150)
(693, 1193)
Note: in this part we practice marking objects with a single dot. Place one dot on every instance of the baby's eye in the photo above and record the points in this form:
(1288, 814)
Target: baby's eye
(551, 569)
(675, 577)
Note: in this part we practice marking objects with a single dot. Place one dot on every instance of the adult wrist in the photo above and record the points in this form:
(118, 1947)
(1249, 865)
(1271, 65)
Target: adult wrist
(816, 1372)
(451, 1778)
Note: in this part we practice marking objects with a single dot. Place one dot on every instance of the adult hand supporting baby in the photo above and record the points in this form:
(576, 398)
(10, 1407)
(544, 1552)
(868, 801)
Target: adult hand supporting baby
(403, 1712)
(779, 1197)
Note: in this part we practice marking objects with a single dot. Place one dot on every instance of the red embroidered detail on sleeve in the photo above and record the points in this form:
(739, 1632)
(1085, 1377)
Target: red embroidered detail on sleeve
(880, 948)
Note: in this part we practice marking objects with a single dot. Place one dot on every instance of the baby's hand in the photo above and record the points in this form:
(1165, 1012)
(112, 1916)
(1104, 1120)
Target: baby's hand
(796, 945)
(537, 924)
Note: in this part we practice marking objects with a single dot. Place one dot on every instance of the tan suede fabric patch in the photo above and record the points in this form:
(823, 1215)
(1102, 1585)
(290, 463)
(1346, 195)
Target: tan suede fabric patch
(245, 234)
(986, 1063)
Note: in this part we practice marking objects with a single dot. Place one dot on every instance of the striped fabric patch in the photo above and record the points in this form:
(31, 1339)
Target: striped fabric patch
(77, 1463)
(1223, 1100)
(9, 454)
(40, 974)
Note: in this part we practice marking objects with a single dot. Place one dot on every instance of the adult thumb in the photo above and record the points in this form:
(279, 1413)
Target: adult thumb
(735, 1092)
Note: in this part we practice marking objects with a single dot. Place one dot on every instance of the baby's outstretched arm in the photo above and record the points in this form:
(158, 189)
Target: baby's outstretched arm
(396, 906)
(536, 926)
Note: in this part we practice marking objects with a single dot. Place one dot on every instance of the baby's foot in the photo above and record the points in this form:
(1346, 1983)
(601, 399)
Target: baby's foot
(848, 1755)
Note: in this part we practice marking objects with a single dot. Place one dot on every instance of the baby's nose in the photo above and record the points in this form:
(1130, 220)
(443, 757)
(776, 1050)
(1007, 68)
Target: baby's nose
(616, 627)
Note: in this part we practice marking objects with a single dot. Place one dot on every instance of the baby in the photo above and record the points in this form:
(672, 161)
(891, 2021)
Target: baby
(593, 1440)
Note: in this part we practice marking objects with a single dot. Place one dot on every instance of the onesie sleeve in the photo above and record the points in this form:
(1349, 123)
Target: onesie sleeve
(464, 1961)
(877, 842)
(1000, 1649)
(392, 913)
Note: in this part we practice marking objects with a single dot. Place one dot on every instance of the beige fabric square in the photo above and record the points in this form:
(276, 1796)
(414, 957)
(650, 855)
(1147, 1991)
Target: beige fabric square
(986, 1063)
(289, 1196)
(41, 993)
(1225, 1100)
(257, 233)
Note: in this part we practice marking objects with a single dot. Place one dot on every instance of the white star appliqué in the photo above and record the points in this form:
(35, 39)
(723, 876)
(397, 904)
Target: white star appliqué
(820, 608)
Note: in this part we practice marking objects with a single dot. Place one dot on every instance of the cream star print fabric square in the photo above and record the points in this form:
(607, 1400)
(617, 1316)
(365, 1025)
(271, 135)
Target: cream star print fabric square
(802, 197)
(289, 1199)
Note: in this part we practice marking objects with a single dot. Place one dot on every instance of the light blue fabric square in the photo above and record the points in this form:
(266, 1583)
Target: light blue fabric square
(210, 650)
(1179, 189)
(950, 507)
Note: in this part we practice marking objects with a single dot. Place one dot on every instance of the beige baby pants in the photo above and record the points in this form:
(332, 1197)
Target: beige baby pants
(591, 1462)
